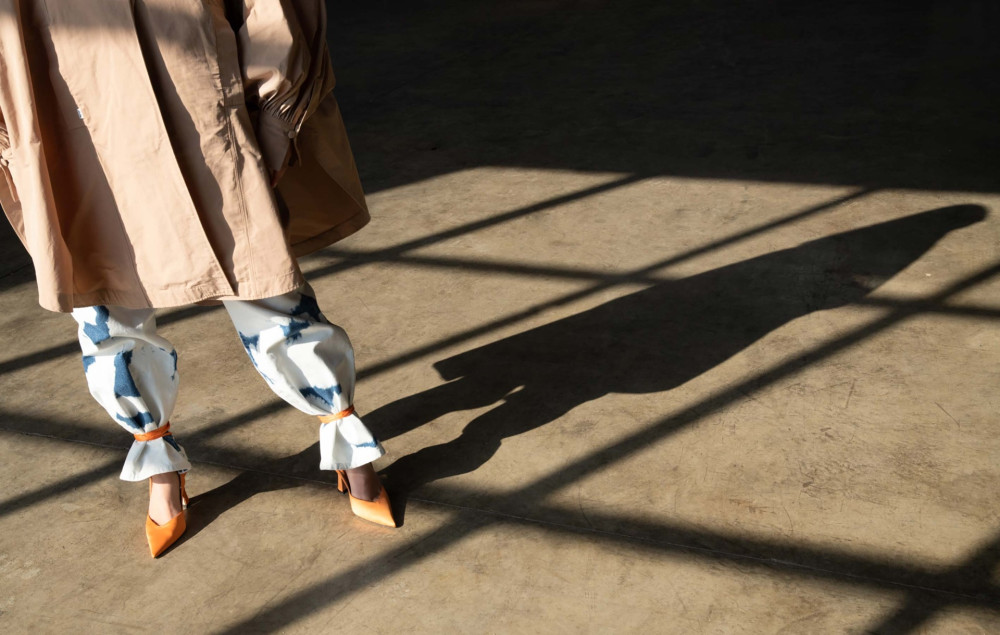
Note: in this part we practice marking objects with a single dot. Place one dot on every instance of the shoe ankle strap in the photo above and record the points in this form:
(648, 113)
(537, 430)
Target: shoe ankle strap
(337, 417)
(159, 433)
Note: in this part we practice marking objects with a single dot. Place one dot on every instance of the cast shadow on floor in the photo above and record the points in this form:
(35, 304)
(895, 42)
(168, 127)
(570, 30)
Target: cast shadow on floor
(645, 342)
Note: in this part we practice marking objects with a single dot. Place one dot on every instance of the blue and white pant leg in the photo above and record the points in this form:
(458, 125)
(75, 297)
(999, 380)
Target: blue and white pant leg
(132, 373)
(308, 362)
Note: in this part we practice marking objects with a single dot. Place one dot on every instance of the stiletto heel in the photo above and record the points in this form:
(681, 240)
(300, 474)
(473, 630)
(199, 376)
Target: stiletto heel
(377, 511)
(160, 537)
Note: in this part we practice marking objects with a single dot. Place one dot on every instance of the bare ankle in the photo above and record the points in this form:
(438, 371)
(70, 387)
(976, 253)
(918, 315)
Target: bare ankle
(365, 483)
(164, 497)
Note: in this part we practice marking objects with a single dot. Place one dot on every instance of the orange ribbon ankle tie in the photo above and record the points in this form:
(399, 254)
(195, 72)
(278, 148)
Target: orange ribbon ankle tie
(159, 433)
(337, 417)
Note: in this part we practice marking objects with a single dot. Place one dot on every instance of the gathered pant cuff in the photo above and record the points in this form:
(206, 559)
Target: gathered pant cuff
(148, 458)
(347, 443)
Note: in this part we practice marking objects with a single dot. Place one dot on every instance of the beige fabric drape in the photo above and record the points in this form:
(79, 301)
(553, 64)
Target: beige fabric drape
(135, 142)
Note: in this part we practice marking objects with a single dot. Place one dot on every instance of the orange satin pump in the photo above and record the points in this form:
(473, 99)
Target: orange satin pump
(162, 536)
(377, 511)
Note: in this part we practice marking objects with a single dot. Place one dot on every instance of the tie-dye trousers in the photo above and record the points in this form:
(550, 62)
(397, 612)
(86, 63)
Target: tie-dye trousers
(307, 361)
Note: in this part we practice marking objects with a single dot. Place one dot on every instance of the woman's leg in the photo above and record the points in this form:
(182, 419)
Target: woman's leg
(309, 362)
(132, 373)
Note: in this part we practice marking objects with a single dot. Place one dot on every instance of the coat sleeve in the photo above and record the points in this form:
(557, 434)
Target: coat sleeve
(286, 69)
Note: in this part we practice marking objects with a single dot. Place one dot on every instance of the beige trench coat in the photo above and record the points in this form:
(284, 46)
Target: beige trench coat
(136, 138)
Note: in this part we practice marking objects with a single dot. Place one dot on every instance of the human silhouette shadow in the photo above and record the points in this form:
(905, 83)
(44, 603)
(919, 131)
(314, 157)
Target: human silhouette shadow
(645, 342)
(648, 342)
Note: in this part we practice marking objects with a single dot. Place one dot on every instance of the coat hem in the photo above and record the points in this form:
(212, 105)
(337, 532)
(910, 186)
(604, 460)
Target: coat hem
(260, 290)
(66, 302)
(207, 293)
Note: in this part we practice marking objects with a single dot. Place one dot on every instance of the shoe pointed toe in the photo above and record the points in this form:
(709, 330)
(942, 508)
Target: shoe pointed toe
(160, 537)
(377, 511)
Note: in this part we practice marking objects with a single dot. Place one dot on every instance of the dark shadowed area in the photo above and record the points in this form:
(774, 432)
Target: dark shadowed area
(885, 94)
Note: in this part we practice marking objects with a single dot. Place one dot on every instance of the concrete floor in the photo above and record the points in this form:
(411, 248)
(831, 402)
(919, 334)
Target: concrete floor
(673, 319)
